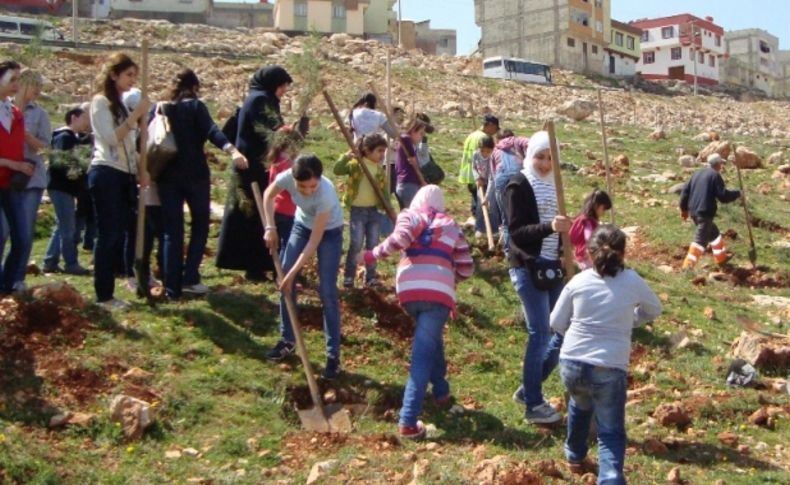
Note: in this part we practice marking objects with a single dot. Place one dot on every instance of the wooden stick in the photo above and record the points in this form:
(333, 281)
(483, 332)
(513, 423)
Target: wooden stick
(606, 154)
(143, 123)
(388, 104)
(347, 135)
(567, 247)
(486, 218)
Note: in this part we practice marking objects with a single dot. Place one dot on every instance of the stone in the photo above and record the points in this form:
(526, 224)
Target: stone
(762, 351)
(71, 419)
(622, 160)
(60, 293)
(677, 188)
(190, 452)
(321, 469)
(654, 447)
(728, 438)
(673, 477)
(687, 161)
(672, 414)
(723, 148)
(747, 159)
(173, 454)
(759, 417)
(658, 134)
(133, 414)
(577, 109)
(339, 39)
(137, 374)
(775, 158)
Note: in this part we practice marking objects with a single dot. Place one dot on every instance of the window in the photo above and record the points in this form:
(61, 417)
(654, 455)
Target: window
(648, 57)
(618, 39)
(677, 53)
(764, 47)
(630, 42)
(9, 27)
(28, 29)
(595, 49)
(571, 42)
(444, 42)
(599, 26)
(667, 32)
(338, 10)
(645, 36)
(712, 61)
(492, 64)
(701, 58)
(300, 9)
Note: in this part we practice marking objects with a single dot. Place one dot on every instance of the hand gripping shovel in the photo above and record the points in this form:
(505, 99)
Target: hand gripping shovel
(752, 249)
(333, 418)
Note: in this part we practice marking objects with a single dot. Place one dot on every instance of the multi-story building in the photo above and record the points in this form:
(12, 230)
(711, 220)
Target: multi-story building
(435, 41)
(783, 81)
(177, 11)
(324, 16)
(623, 51)
(378, 17)
(566, 33)
(681, 47)
(752, 59)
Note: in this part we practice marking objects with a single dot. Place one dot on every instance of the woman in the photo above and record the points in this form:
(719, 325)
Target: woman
(406, 164)
(187, 179)
(365, 120)
(534, 223)
(21, 203)
(112, 178)
(12, 149)
(241, 235)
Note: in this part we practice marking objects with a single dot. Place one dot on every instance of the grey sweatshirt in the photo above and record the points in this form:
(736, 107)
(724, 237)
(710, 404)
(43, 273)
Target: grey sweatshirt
(597, 314)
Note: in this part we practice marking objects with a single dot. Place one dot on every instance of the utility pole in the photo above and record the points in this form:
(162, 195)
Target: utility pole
(74, 29)
(400, 25)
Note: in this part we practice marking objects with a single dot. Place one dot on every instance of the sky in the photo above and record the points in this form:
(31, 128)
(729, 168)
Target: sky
(770, 15)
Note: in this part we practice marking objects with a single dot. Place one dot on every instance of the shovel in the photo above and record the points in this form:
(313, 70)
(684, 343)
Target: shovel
(142, 270)
(567, 248)
(333, 418)
(486, 219)
(752, 249)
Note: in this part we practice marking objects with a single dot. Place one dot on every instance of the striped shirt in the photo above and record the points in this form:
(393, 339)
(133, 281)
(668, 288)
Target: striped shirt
(434, 256)
(546, 197)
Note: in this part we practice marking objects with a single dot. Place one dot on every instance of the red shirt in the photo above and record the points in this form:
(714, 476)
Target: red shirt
(283, 204)
(12, 145)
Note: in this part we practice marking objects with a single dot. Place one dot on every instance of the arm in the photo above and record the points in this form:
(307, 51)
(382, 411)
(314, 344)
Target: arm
(42, 126)
(722, 193)
(560, 319)
(391, 131)
(649, 306)
(270, 235)
(684, 200)
(462, 258)
(401, 238)
(342, 165)
(212, 132)
(24, 167)
(316, 234)
(103, 124)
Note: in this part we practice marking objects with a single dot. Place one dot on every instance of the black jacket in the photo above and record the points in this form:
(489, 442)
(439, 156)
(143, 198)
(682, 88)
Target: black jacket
(68, 148)
(700, 194)
(526, 230)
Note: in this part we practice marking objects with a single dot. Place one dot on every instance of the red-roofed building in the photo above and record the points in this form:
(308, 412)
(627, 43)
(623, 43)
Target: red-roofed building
(681, 47)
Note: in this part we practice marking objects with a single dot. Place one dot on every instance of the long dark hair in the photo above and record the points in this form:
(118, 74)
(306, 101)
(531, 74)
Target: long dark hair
(185, 85)
(594, 199)
(8, 66)
(368, 100)
(607, 250)
(116, 64)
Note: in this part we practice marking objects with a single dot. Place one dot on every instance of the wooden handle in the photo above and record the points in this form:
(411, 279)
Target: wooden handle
(350, 141)
(609, 187)
(139, 241)
(486, 218)
(567, 248)
(290, 306)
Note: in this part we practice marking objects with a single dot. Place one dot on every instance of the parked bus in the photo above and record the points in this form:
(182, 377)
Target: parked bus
(27, 28)
(516, 69)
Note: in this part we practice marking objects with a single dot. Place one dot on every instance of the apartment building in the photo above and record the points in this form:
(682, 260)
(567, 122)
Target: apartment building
(623, 51)
(681, 47)
(324, 16)
(571, 34)
(752, 59)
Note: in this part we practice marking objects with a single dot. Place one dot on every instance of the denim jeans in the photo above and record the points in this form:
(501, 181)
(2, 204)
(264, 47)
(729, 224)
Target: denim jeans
(364, 226)
(63, 240)
(284, 225)
(330, 250)
(406, 193)
(600, 392)
(20, 208)
(493, 214)
(543, 349)
(427, 359)
(197, 196)
(113, 193)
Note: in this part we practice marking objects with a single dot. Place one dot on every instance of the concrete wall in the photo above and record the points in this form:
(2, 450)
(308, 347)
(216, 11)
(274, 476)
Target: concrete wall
(624, 66)
(319, 17)
(173, 6)
(378, 16)
(250, 15)
(748, 65)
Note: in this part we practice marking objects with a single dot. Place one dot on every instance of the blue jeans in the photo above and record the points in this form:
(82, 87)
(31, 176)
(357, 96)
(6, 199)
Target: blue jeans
(600, 392)
(330, 249)
(427, 359)
(405, 193)
(20, 208)
(113, 193)
(197, 196)
(493, 214)
(364, 226)
(543, 349)
(63, 240)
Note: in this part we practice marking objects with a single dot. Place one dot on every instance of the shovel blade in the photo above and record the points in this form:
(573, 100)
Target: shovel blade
(334, 419)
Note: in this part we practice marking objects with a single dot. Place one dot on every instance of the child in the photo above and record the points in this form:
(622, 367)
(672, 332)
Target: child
(490, 127)
(481, 166)
(284, 150)
(365, 120)
(406, 164)
(434, 256)
(596, 313)
(699, 199)
(318, 228)
(506, 160)
(363, 203)
(595, 206)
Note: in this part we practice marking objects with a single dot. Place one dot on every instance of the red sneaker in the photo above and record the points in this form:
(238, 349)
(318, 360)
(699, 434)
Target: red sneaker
(412, 432)
(444, 402)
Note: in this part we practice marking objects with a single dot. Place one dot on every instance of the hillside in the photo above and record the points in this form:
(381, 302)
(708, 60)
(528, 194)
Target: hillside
(222, 414)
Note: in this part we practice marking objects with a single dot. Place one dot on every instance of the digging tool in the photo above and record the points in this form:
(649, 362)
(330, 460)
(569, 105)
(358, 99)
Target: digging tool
(333, 418)
(606, 154)
(752, 248)
(384, 200)
(567, 248)
(486, 218)
(142, 270)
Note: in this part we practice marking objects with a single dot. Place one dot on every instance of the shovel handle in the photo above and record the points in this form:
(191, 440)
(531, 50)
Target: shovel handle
(746, 212)
(567, 248)
(486, 219)
(291, 308)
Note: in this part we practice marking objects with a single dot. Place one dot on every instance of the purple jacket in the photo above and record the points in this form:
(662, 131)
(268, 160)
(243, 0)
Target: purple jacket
(404, 169)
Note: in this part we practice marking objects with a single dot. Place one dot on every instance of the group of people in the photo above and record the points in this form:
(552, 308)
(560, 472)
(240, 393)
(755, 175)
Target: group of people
(583, 325)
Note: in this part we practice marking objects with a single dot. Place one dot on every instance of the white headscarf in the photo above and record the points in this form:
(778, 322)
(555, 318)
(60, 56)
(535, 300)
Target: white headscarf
(427, 198)
(537, 143)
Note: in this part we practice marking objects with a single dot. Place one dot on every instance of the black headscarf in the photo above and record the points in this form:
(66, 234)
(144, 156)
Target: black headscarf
(270, 78)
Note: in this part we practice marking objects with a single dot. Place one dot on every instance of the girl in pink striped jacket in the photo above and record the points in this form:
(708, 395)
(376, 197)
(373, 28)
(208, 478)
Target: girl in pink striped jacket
(434, 256)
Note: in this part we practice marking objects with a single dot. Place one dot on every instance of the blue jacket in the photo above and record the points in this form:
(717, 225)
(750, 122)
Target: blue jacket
(701, 192)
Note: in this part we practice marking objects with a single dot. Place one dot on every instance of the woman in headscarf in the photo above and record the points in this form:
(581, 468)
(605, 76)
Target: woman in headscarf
(241, 243)
(434, 256)
(534, 225)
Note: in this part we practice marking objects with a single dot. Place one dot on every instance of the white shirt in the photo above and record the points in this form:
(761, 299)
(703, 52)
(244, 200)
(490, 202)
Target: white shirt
(108, 149)
(366, 122)
(6, 114)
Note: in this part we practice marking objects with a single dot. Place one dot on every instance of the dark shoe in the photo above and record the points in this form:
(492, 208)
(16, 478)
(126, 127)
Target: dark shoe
(77, 271)
(280, 351)
(332, 370)
(415, 432)
(51, 269)
(586, 466)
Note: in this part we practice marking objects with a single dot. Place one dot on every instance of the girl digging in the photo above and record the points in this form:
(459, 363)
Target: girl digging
(434, 256)
(363, 203)
(595, 206)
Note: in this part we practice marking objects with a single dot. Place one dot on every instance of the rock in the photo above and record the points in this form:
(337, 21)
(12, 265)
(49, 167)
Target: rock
(728, 438)
(677, 188)
(744, 450)
(33, 269)
(191, 452)
(654, 447)
(672, 414)
(452, 107)
(747, 159)
(590, 155)
(687, 161)
(709, 313)
(322, 468)
(71, 419)
(673, 477)
(548, 468)
(173, 454)
(622, 160)
(432, 446)
(59, 293)
(658, 134)
(723, 148)
(775, 158)
(133, 414)
(339, 39)
(137, 374)
(762, 351)
(589, 478)
(759, 417)
(702, 137)
(577, 109)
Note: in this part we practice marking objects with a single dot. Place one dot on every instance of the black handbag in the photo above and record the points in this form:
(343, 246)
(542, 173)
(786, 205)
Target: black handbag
(547, 274)
(19, 180)
(432, 172)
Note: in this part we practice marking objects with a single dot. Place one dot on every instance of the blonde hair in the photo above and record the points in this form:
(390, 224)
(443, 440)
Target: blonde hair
(28, 79)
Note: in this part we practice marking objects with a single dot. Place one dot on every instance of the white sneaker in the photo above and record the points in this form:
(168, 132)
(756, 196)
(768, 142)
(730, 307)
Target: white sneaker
(153, 282)
(131, 284)
(542, 414)
(198, 289)
(114, 304)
